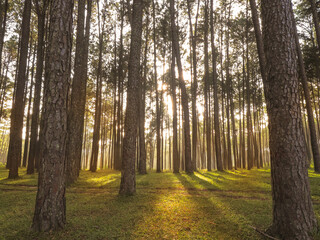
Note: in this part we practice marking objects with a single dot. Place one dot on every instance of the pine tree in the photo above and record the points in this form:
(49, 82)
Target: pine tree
(50, 209)
(293, 216)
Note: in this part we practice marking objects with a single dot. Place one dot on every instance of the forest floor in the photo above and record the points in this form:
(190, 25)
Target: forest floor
(205, 205)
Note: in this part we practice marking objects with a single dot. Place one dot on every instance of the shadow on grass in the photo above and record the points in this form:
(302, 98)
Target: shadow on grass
(24, 179)
(244, 208)
(234, 181)
(228, 223)
(98, 213)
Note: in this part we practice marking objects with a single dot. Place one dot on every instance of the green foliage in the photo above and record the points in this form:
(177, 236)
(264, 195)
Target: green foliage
(206, 205)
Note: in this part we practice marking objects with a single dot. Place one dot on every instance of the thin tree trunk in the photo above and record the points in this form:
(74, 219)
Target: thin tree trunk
(195, 83)
(240, 163)
(244, 156)
(184, 95)
(175, 152)
(229, 90)
(116, 163)
(118, 158)
(312, 127)
(98, 106)
(206, 87)
(258, 35)
(248, 93)
(315, 17)
(3, 24)
(158, 137)
(3, 89)
(37, 88)
(78, 95)
(26, 143)
(142, 106)
(215, 94)
(17, 112)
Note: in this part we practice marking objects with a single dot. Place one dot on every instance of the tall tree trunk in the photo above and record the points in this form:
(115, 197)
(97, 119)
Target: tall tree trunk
(114, 122)
(158, 137)
(234, 133)
(26, 142)
(184, 95)
(98, 103)
(248, 93)
(142, 109)
(244, 156)
(255, 117)
(207, 87)
(118, 157)
(293, 216)
(215, 93)
(195, 83)
(41, 13)
(240, 163)
(17, 111)
(3, 89)
(103, 134)
(224, 146)
(175, 152)
(116, 163)
(50, 209)
(3, 24)
(258, 35)
(315, 17)
(78, 94)
(260, 140)
(41, 131)
(306, 91)
(228, 90)
(128, 178)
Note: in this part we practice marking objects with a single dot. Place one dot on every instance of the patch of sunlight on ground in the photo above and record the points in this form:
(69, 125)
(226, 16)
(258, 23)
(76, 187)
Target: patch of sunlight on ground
(102, 181)
(213, 181)
(174, 217)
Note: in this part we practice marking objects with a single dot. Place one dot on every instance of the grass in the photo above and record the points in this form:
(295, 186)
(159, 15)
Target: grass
(205, 205)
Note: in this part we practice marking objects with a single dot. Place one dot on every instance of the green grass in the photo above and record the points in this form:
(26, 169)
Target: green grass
(205, 205)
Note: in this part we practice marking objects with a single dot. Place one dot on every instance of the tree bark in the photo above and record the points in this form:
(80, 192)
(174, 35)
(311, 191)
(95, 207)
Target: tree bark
(128, 178)
(293, 215)
(50, 209)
